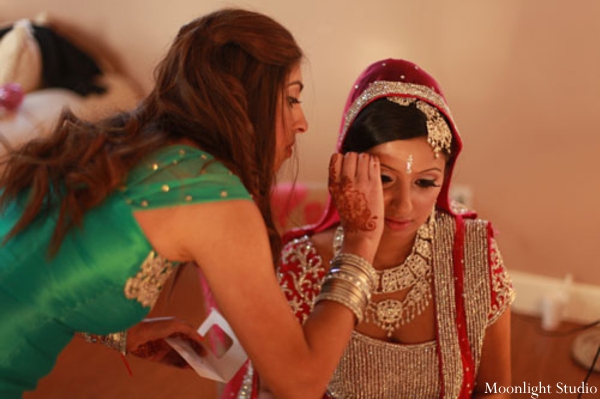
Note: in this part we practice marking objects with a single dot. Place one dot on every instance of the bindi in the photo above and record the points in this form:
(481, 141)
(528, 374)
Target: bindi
(409, 164)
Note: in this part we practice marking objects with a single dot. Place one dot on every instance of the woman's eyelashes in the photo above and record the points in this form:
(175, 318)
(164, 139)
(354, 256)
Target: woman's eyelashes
(386, 179)
(422, 183)
(293, 100)
(426, 183)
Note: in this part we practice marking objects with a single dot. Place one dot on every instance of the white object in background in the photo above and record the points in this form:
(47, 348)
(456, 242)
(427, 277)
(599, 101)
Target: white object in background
(584, 349)
(463, 194)
(208, 365)
(554, 304)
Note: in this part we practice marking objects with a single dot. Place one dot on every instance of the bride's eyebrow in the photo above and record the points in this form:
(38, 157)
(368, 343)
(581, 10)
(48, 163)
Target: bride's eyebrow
(435, 168)
(429, 170)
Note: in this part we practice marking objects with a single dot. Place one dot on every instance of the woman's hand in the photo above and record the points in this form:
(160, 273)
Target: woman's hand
(355, 186)
(147, 340)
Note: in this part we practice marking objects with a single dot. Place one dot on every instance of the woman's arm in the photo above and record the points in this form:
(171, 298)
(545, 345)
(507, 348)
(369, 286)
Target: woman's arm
(292, 360)
(228, 240)
(495, 366)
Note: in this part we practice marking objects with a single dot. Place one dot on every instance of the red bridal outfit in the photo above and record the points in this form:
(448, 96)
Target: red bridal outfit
(470, 288)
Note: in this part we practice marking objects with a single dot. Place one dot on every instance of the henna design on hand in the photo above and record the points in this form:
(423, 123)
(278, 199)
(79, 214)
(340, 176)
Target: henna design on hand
(332, 172)
(149, 349)
(352, 206)
(159, 350)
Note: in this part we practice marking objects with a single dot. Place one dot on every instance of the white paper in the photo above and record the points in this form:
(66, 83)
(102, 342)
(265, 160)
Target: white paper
(209, 365)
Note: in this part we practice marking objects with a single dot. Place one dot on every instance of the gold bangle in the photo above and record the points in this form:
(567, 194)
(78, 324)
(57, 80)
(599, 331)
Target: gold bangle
(346, 293)
(352, 291)
(358, 263)
(331, 296)
(350, 281)
(359, 280)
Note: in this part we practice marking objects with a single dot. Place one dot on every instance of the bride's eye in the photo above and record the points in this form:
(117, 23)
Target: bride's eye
(426, 183)
(385, 179)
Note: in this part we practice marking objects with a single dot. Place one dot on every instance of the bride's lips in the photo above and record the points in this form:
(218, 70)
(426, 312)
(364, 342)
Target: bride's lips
(397, 224)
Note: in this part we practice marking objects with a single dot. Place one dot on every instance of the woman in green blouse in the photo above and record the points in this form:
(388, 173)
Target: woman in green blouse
(95, 217)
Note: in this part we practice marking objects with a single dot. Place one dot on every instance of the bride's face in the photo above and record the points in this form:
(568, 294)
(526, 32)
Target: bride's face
(412, 178)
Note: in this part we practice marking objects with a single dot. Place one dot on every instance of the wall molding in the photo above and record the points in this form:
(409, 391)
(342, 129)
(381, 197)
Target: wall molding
(534, 292)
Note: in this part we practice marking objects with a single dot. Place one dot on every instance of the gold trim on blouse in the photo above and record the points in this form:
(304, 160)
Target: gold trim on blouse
(146, 285)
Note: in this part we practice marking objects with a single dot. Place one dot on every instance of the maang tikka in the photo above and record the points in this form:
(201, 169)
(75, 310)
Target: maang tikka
(439, 135)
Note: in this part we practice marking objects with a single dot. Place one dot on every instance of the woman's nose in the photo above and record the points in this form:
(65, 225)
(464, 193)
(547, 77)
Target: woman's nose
(402, 202)
(301, 125)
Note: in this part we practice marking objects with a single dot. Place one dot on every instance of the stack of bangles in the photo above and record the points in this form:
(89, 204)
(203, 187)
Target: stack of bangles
(349, 282)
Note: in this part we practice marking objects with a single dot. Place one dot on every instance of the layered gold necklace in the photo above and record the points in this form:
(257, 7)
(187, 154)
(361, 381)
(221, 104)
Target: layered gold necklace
(414, 274)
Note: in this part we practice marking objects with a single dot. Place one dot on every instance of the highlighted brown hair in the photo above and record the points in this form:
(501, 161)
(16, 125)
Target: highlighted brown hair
(218, 86)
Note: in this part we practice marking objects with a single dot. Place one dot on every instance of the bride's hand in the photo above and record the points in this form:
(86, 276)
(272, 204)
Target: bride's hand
(355, 187)
(147, 340)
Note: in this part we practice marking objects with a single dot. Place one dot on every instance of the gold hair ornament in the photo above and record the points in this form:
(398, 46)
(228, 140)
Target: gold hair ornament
(439, 135)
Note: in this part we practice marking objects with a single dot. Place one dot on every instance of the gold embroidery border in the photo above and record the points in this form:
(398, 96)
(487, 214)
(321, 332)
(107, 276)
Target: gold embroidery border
(146, 285)
(445, 295)
(477, 285)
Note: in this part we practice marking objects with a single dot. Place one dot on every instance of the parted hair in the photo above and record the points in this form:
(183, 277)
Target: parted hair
(382, 121)
(218, 86)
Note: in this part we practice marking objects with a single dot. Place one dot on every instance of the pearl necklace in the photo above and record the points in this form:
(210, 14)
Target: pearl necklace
(415, 273)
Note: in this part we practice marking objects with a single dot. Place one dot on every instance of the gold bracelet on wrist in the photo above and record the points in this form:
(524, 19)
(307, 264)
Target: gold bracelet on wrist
(350, 281)
(356, 262)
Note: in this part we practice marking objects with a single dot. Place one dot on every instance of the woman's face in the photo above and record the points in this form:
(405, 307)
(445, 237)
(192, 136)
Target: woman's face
(412, 178)
(290, 118)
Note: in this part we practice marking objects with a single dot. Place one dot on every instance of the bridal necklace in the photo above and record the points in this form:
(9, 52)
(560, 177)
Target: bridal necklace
(414, 274)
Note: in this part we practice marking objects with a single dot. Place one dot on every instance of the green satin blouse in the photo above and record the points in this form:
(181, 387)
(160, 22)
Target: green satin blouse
(105, 276)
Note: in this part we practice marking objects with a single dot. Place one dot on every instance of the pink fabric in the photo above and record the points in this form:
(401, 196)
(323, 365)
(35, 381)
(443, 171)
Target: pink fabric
(285, 197)
(11, 96)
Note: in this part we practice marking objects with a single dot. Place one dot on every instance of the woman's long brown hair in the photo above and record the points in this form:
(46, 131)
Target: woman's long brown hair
(218, 86)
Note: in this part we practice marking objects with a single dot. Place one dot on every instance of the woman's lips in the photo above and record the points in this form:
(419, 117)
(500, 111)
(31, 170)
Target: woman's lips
(397, 224)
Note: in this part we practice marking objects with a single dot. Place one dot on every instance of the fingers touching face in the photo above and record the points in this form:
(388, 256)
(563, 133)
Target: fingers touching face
(355, 186)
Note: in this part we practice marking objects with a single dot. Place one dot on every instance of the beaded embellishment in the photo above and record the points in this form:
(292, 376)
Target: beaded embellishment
(371, 368)
(146, 285)
(439, 135)
(414, 274)
(380, 89)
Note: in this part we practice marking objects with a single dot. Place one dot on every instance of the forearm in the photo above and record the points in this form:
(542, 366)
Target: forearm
(326, 334)
(308, 369)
